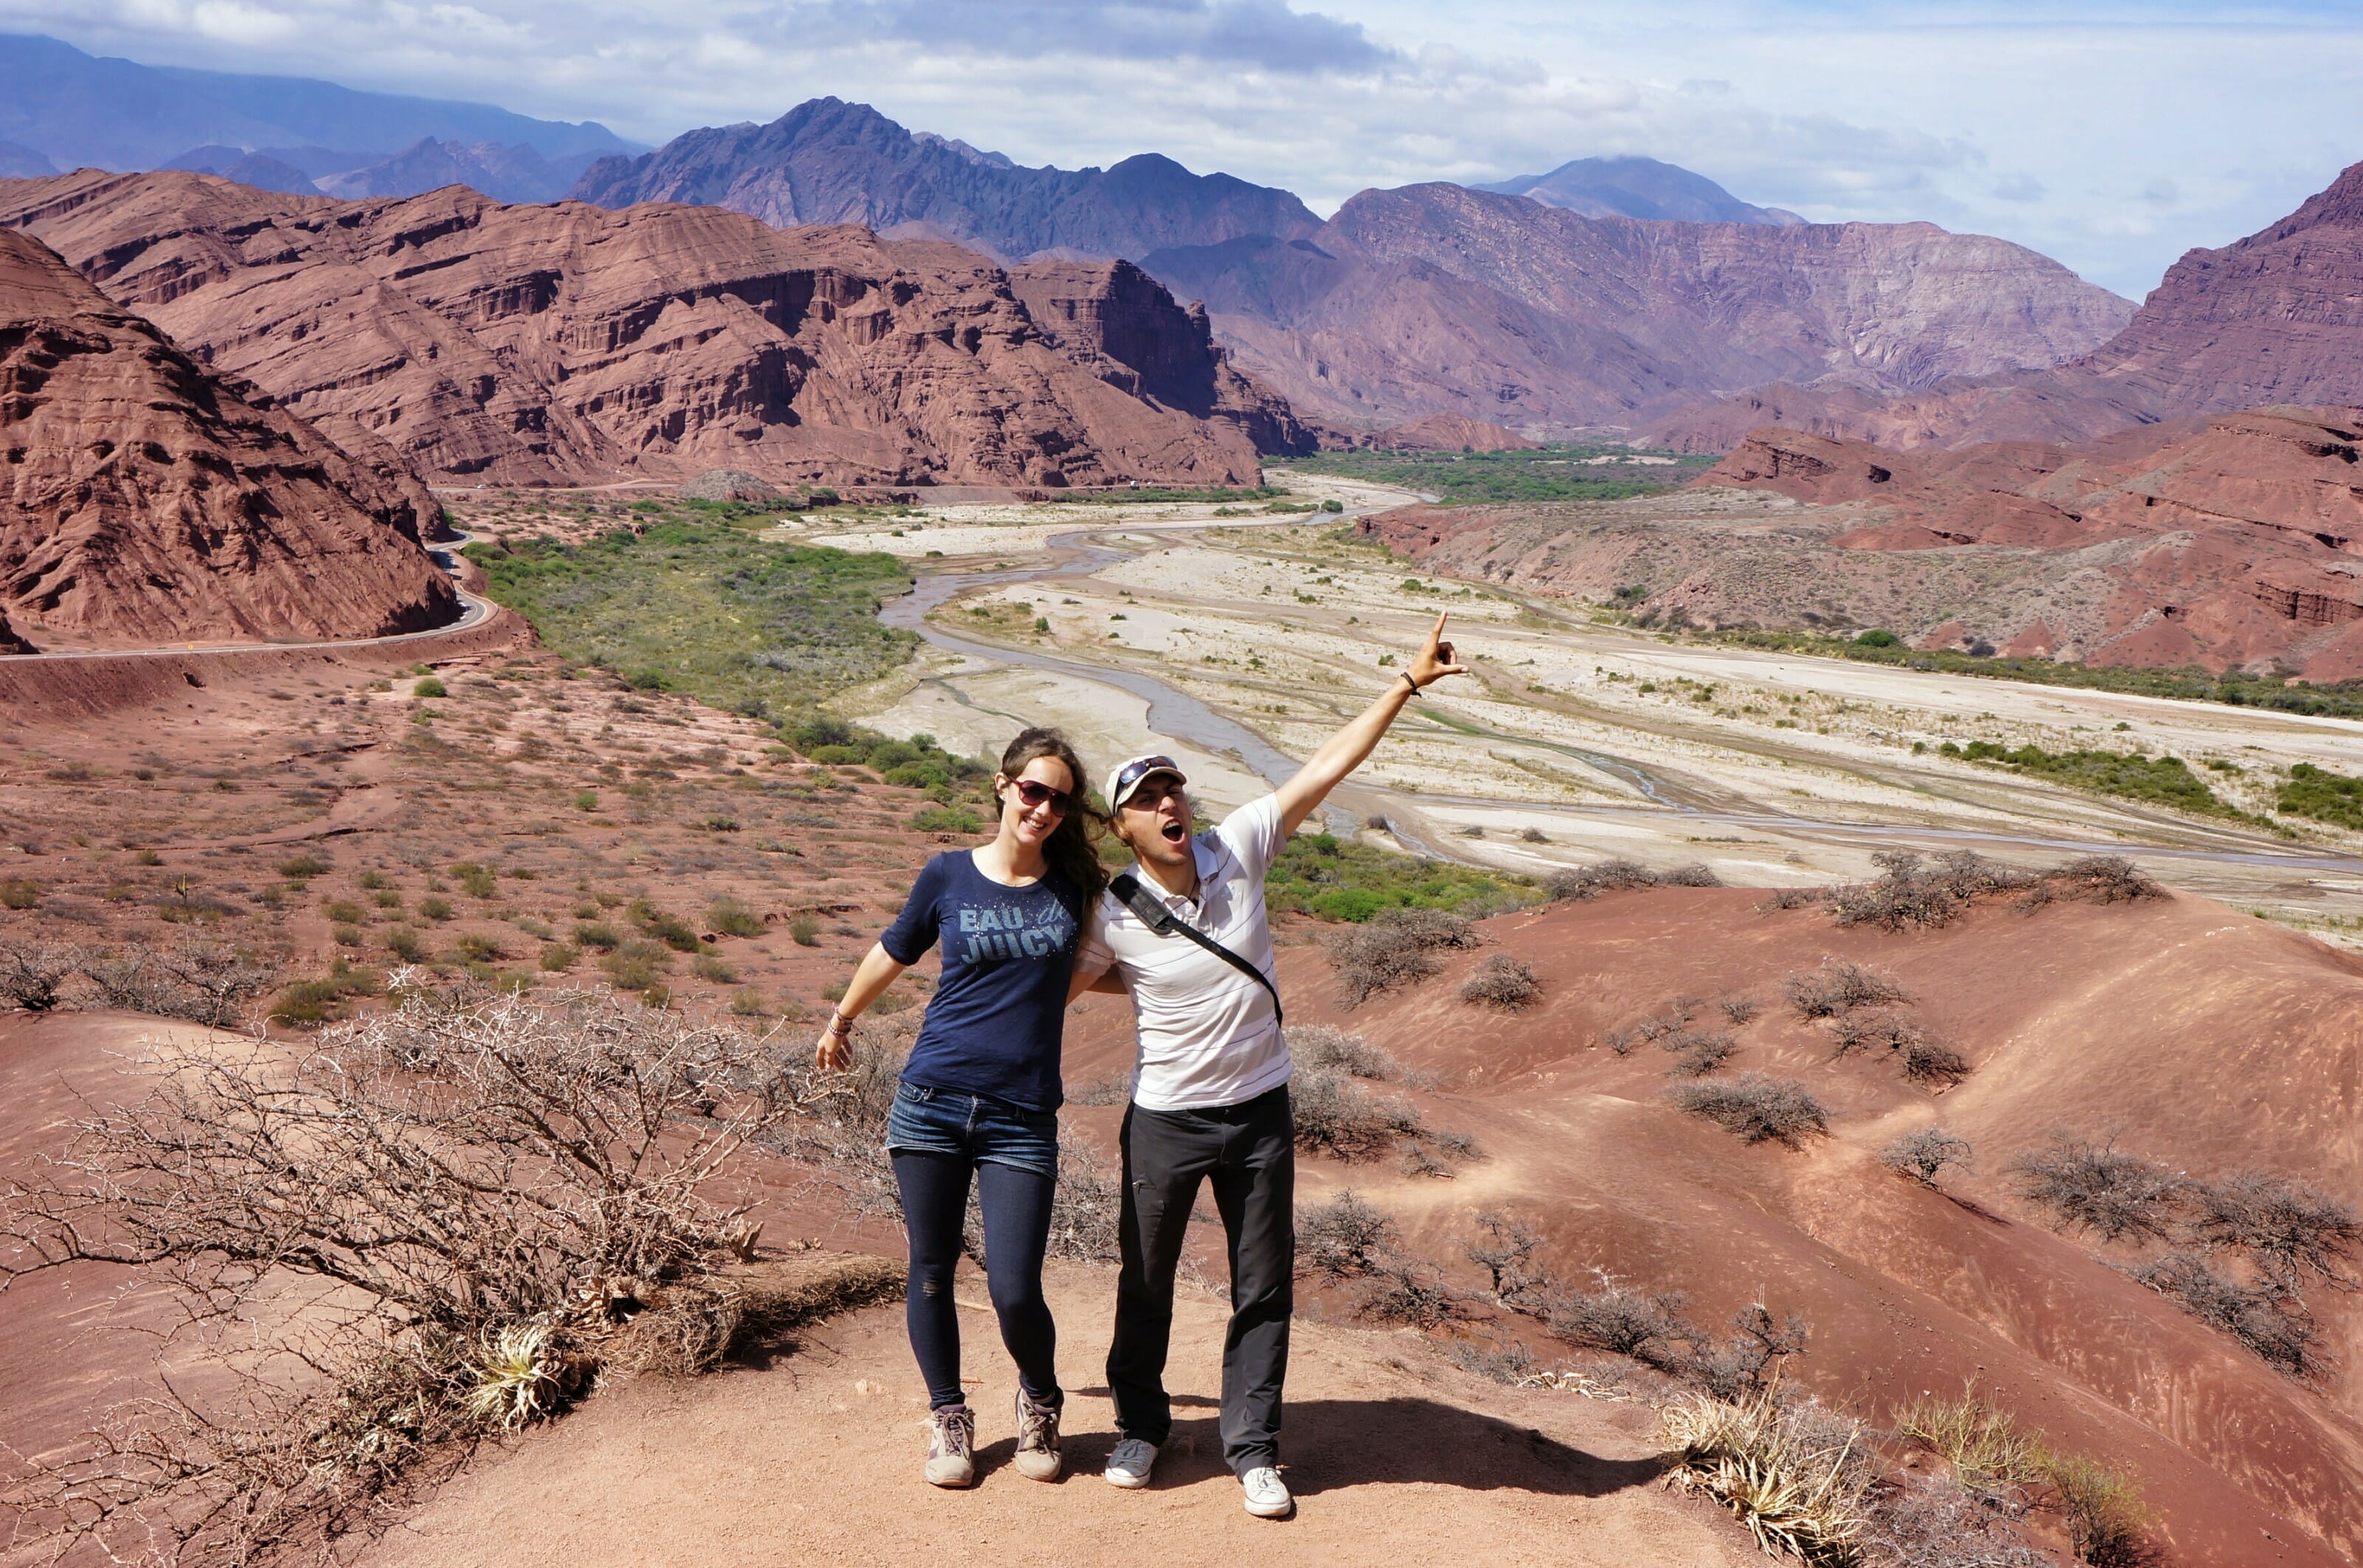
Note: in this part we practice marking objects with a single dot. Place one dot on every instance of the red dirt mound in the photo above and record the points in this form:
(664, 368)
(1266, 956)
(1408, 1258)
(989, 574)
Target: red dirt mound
(149, 501)
(567, 344)
(2180, 1029)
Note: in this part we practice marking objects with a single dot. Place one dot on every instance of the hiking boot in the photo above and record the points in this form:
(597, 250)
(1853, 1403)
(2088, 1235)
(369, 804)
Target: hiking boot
(1129, 1466)
(951, 1446)
(1267, 1494)
(1038, 1440)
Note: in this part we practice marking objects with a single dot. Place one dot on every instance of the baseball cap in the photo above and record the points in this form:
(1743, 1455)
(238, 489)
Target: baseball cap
(1128, 776)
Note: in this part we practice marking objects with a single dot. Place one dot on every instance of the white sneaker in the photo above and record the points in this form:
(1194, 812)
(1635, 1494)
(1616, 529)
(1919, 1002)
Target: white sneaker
(951, 1446)
(1129, 1465)
(1267, 1494)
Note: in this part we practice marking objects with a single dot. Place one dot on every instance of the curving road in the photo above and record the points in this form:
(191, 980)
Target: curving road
(474, 611)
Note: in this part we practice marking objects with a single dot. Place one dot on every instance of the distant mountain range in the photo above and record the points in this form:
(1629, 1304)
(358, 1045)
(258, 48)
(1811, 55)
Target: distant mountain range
(61, 108)
(1638, 188)
(831, 162)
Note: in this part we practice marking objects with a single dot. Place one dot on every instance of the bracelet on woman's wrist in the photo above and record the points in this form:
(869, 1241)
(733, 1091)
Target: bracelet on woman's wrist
(838, 1023)
(1411, 683)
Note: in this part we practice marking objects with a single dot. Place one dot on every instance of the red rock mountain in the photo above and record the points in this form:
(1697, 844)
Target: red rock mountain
(148, 501)
(830, 161)
(2274, 318)
(568, 344)
(2232, 542)
(1434, 299)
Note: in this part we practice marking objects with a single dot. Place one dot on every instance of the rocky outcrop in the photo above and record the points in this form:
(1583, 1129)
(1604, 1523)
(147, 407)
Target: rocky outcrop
(569, 344)
(1451, 433)
(1435, 299)
(830, 161)
(2276, 318)
(1122, 321)
(148, 501)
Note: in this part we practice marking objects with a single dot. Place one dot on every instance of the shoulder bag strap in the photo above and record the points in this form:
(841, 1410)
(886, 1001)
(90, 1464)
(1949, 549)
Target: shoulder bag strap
(1159, 919)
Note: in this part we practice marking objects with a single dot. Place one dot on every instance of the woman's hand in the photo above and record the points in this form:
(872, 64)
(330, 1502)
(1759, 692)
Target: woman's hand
(834, 1053)
(1434, 661)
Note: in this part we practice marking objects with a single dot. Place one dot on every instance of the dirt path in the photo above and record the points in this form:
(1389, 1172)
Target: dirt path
(815, 1459)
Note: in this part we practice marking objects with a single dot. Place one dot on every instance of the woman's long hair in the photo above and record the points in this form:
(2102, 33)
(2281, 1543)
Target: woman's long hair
(1068, 850)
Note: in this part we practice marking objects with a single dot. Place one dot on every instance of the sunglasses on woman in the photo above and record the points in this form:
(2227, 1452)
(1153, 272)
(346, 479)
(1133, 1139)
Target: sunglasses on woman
(1032, 794)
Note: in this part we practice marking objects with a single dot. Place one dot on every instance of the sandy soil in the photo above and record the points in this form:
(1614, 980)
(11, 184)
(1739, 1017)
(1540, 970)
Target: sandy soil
(815, 1459)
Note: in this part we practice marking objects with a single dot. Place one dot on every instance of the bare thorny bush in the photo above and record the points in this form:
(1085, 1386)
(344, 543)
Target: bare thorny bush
(468, 1204)
(2239, 1250)
(204, 982)
(1909, 892)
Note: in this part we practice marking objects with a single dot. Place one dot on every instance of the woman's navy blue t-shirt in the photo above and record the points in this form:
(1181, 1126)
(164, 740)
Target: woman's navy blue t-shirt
(998, 1017)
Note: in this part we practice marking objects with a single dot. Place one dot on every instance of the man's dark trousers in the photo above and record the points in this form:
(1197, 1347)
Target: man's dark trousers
(1249, 1153)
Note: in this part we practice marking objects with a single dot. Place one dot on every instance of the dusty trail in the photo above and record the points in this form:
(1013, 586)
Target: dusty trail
(815, 1459)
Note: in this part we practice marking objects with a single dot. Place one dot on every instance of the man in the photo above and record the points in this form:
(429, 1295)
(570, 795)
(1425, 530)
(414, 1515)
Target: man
(1189, 939)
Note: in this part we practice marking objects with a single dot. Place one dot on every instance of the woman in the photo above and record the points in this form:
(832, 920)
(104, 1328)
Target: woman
(980, 1093)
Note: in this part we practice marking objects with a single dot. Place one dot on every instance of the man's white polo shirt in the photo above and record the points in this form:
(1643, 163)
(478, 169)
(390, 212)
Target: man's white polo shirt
(1209, 1036)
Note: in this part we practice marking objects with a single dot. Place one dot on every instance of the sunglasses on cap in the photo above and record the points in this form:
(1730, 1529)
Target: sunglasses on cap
(1032, 794)
(1133, 772)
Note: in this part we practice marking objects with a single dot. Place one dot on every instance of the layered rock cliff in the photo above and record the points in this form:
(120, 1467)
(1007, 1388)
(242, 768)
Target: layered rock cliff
(569, 344)
(148, 501)
(830, 161)
(1434, 299)
(2232, 542)
(2274, 318)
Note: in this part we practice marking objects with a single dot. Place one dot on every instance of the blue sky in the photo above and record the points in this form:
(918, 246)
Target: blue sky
(2113, 137)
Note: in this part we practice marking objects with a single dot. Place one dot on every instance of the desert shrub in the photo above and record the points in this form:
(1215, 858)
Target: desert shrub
(2117, 1197)
(1335, 1115)
(322, 1000)
(1793, 898)
(302, 868)
(1336, 879)
(1532, 835)
(429, 687)
(1669, 1019)
(2101, 879)
(557, 957)
(1696, 1052)
(490, 1241)
(344, 911)
(598, 934)
(1314, 1047)
(2286, 1229)
(1878, 1030)
(2103, 1511)
(1756, 1108)
(1984, 1444)
(948, 818)
(1397, 947)
(1923, 1154)
(1502, 981)
(804, 931)
(1347, 1239)
(2262, 1318)
(204, 982)
(706, 967)
(1738, 1010)
(1507, 1254)
(748, 1002)
(1777, 1468)
(477, 881)
(476, 948)
(21, 893)
(1936, 1523)
(636, 966)
(1649, 1326)
(1839, 986)
(405, 945)
(435, 909)
(33, 974)
(1695, 875)
(2317, 793)
(732, 917)
(1580, 882)
(669, 929)
(1904, 894)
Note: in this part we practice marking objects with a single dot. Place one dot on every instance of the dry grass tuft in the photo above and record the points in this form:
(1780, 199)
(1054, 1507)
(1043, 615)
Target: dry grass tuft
(1776, 1470)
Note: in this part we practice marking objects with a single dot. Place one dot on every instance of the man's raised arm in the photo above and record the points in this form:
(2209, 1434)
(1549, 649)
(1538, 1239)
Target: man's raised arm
(1349, 747)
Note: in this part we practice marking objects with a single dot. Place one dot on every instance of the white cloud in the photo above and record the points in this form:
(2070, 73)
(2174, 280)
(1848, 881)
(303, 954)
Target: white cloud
(2109, 135)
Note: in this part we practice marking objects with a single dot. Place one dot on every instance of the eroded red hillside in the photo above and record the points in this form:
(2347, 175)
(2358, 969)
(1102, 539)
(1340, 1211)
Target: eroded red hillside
(148, 501)
(569, 344)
